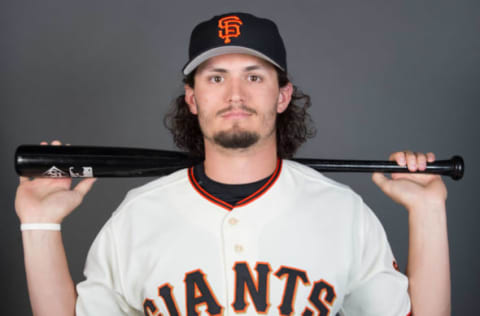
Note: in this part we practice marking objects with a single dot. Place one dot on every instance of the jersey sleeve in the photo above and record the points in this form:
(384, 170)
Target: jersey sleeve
(101, 292)
(376, 287)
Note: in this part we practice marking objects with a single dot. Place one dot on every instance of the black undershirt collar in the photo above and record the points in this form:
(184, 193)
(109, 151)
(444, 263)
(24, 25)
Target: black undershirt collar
(230, 193)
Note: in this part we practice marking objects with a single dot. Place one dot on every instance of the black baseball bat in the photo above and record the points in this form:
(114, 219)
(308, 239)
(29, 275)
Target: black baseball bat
(94, 161)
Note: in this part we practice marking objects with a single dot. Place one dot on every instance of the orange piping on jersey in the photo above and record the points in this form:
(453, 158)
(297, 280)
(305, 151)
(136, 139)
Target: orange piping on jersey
(252, 197)
(205, 194)
(396, 267)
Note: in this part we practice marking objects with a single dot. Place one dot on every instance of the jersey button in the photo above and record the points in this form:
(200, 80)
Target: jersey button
(233, 221)
(238, 248)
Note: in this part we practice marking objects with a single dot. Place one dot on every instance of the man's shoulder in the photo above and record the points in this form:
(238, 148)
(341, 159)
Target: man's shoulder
(163, 183)
(324, 190)
(309, 174)
(158, 188)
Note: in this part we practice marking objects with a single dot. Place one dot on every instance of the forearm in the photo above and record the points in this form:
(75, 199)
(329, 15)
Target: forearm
(428, 267)
(50, 285)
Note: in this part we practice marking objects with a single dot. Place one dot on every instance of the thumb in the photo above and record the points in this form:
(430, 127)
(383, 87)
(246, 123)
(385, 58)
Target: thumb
(84, 186)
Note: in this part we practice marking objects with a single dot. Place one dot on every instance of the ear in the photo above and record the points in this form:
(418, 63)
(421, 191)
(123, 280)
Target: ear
(190, 99)
(284, 97)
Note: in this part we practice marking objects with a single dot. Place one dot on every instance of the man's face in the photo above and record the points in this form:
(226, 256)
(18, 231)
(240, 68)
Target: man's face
(237, 98)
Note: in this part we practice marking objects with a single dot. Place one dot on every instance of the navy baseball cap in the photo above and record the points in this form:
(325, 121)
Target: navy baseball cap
(236, 33)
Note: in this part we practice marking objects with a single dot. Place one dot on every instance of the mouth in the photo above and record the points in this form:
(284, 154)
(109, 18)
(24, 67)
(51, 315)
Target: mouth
(236, 112)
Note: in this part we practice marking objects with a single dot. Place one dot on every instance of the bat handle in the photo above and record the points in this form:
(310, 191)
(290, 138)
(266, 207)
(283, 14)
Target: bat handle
(453, 167)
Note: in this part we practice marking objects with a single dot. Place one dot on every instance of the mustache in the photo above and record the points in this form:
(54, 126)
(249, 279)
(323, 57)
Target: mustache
(242, 107)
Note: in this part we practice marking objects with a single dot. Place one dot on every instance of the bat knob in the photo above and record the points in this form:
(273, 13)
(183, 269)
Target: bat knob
(458, 168)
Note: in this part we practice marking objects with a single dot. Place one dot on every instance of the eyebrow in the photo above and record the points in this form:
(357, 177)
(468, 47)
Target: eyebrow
(216, 70)
(254, 67)
(222, 70)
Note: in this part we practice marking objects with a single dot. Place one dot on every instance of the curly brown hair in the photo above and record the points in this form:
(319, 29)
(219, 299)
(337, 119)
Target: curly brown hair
(293, 127)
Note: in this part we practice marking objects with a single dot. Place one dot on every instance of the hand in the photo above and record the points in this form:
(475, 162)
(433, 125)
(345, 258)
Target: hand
(49, 200)
(413, 190)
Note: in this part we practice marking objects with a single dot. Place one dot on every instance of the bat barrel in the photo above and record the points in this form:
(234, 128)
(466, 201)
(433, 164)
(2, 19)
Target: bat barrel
(90, 161)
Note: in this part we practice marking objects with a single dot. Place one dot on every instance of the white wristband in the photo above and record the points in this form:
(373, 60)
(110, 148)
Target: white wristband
(39, 226)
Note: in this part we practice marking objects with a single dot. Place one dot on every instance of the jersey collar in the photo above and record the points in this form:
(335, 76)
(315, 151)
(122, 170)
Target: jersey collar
(252, 197)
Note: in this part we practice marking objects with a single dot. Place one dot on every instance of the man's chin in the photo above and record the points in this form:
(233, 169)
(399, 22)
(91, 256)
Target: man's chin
(236, 140)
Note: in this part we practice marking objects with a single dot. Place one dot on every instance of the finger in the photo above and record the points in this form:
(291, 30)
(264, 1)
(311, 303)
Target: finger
(411, 160)
(84, 186)
(430, 157)
(56, 143)
(399, 157)
(421, 161)
(43, 143)
(381, 181)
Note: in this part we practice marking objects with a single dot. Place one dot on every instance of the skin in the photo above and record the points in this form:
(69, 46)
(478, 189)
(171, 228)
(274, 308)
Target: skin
(232, 94)
(235, 93)
(45, 200)
(428, 267)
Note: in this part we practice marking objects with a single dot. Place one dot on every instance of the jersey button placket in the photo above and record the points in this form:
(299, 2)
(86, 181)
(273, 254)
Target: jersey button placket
(238, 249)
(232, 232)
(234, 248)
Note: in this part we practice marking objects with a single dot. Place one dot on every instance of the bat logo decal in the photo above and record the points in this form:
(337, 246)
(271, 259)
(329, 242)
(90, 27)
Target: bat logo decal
(87, 172)
(54, 172)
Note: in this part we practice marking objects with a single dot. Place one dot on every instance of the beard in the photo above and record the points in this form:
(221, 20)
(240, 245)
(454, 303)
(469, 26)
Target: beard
(235, 139)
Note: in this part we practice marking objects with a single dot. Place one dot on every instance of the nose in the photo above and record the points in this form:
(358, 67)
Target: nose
(236, 92)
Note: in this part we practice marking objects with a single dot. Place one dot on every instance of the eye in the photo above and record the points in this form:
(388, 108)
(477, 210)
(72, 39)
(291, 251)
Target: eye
(216, 79)
(254, 78)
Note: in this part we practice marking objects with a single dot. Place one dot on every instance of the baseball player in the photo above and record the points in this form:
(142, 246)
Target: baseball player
(246, 231)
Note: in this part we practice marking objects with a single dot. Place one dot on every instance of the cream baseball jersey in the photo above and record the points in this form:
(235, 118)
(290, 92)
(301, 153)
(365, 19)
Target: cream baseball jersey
(300, 245)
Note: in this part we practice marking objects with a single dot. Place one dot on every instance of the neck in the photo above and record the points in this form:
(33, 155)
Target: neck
(239, 166)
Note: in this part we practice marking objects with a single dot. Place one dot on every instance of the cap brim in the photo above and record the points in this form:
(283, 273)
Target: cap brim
(194, 63)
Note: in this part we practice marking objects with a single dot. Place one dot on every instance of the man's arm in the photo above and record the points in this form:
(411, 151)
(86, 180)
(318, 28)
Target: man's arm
(50, 286)
(428, 267)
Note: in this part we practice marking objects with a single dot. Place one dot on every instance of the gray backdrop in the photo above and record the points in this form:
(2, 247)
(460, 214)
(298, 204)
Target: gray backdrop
(383, 76)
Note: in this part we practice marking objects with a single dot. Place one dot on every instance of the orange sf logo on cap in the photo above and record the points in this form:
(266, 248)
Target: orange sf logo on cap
(229, 27)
